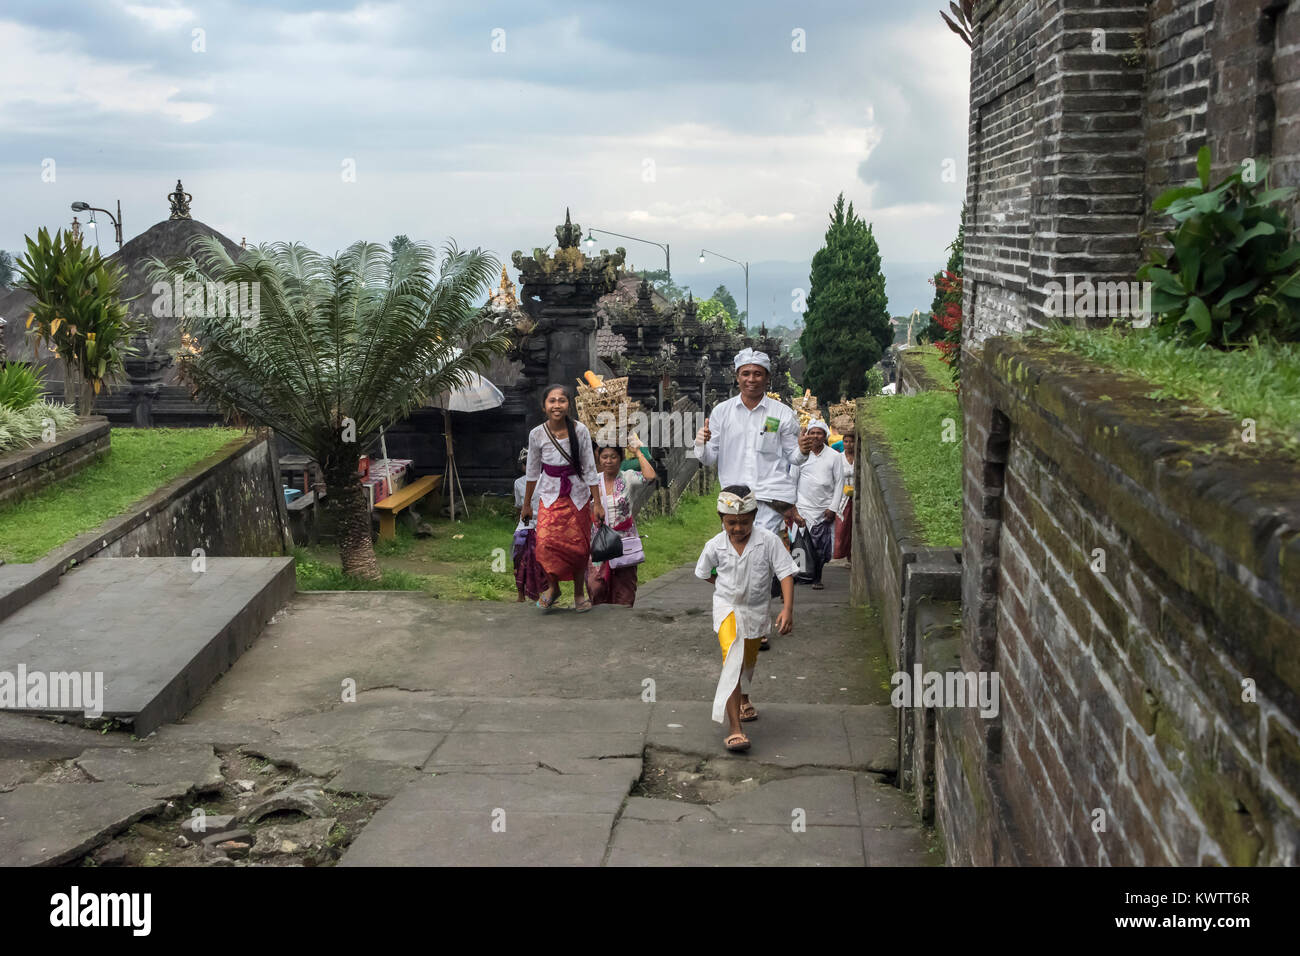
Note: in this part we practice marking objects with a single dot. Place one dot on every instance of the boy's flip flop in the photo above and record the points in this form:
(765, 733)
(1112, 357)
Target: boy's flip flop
(763, 645)
(748, 712)
(737, 743)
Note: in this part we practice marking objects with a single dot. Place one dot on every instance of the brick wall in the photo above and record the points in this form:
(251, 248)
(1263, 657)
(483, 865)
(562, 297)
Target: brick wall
(1122, 684)
(1082, 111)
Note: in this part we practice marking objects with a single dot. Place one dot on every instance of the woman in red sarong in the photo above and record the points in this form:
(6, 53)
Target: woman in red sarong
(844, 520)
(561, 474)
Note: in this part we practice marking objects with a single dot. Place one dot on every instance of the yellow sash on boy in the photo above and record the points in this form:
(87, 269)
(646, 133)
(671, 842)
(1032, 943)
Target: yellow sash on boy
(727, 634)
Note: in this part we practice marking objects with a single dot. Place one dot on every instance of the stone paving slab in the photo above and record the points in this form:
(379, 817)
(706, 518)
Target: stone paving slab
(37, 738)
(466, 838)
(52, 825)
(902, 846)
(373, 777)
(825, 799)
(563, 752)
(552, 715)
(881, 805)
(690, 843)
(165, 772)
(786, 735)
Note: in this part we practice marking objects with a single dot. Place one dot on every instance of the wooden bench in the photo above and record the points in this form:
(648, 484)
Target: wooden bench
(400, 500)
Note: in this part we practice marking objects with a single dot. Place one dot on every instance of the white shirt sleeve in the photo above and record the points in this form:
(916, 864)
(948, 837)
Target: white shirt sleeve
(708, 452)
(533, 470)
(706, 564)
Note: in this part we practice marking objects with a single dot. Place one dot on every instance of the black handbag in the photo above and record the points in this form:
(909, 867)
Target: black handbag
(606, 543)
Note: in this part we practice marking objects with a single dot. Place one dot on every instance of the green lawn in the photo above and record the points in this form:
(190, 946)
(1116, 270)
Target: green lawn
(141, 461)
(1261, 383)
(470, 560)
(913, 429)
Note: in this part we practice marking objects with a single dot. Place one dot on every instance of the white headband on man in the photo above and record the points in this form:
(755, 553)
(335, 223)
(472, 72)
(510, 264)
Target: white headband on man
(826, 429)
(751, 357)
(731, 504)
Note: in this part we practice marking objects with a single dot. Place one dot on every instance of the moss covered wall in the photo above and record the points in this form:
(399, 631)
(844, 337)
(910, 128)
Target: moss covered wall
(1140, 600)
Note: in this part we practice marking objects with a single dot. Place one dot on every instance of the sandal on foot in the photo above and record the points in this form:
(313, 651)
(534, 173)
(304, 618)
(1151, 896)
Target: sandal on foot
(737, 743)
(748, 712)
(583, 605)
(545, 602)
(819, 586)
(764, 645)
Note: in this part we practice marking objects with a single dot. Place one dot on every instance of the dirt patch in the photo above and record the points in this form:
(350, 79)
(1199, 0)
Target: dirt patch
(289, 838)
(694, 778)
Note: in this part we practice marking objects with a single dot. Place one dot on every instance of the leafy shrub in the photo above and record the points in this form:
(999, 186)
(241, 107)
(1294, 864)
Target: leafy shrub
(20, 385)
(20, 428)
(1235, 270)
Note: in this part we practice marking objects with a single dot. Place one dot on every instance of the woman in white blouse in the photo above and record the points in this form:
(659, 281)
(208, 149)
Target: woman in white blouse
(562, 473)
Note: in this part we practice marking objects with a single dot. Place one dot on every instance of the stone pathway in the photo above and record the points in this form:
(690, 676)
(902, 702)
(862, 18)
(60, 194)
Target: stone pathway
(499, 735)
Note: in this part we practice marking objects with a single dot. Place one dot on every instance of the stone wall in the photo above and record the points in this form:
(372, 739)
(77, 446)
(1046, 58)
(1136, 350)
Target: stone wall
(1082, 111)
(913, 586)
(25, 471)
(1140, 600)
(231, 508)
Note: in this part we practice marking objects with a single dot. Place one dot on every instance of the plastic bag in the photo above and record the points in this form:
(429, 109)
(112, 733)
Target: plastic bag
(606, 543)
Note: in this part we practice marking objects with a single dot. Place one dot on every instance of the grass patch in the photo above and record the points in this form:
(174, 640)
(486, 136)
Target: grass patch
(912, 427)
(930, 359)
(470, 560)
(141, 461)
(1262, 383)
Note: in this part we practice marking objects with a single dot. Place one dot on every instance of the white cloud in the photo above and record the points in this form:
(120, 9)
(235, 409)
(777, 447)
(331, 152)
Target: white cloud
(160, 18)
(41, 72)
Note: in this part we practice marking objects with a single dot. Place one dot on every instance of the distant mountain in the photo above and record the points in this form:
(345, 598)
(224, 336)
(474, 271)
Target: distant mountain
(771, 283)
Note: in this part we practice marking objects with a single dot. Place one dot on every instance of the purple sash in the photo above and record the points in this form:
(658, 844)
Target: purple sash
(562, 472)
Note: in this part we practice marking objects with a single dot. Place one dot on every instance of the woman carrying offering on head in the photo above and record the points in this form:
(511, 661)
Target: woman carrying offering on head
(562, 489)
(614, 581)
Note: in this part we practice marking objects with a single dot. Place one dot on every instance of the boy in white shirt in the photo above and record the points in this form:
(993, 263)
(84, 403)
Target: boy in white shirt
(741, 562)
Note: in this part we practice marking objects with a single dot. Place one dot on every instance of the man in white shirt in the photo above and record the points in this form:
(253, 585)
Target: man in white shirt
(821, 487)
(755, 440)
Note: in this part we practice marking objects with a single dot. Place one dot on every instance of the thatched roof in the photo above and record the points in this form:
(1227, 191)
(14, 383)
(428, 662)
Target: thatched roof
(165, 240)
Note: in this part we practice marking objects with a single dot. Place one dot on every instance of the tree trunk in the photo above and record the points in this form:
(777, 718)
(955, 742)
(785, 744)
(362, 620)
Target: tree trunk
(69, 385)
(347, 503)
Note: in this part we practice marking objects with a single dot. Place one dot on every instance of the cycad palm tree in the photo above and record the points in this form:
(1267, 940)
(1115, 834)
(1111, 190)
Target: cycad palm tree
(337, 348)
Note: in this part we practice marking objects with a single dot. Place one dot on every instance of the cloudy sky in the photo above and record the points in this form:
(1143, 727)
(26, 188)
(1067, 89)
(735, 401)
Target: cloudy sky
(700, 125)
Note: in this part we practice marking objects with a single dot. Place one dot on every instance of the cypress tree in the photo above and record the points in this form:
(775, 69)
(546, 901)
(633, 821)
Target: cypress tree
(846, 325)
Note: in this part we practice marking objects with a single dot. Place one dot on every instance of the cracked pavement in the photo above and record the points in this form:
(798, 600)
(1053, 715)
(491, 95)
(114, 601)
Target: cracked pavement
(503, 736)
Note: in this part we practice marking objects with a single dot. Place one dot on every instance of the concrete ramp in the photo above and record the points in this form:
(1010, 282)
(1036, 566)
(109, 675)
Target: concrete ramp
(159, 632)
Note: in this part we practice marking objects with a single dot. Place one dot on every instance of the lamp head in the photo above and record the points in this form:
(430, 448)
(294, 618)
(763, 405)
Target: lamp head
(80, 206)
(701, 255)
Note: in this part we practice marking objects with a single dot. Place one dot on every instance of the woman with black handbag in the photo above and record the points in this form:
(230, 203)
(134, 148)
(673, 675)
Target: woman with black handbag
(613, 581)
(562, 473)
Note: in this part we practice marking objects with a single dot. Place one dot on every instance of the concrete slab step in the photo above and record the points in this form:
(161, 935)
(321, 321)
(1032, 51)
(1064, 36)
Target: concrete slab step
(156, 632)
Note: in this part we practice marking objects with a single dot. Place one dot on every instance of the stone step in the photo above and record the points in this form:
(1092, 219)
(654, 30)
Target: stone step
(158, 631)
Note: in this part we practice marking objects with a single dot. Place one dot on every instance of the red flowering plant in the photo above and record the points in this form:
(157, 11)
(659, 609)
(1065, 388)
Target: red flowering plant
(948, 318)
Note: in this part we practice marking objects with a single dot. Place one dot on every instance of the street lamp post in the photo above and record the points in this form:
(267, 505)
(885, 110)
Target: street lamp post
(743, 265)
(668, 260)
(117, 222)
